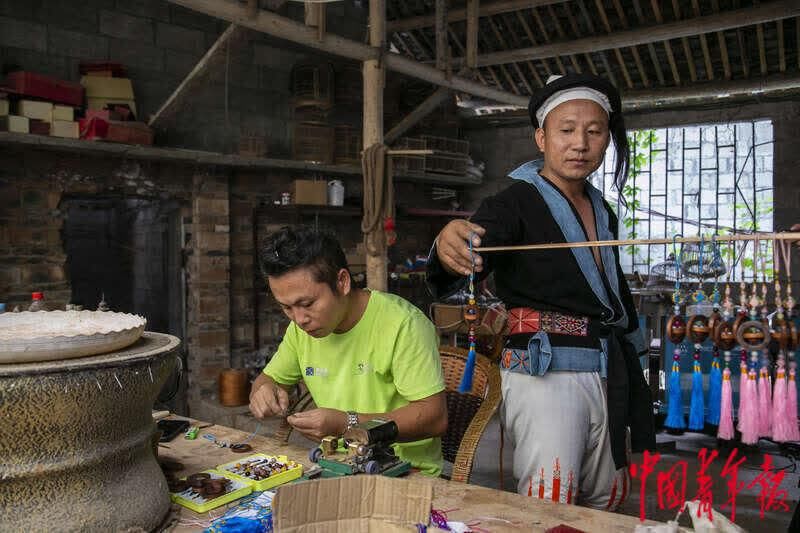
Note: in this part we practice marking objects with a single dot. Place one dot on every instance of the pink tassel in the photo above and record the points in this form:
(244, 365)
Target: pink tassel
(791, 407)
(742, 387)
(748, 410)
(780, 423)
(764, 403)
(725, 430)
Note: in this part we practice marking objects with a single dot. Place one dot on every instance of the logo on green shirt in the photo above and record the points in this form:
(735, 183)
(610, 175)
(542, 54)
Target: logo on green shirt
(312, 371)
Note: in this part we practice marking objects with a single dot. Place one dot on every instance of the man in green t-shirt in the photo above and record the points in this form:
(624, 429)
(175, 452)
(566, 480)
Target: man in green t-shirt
(362, 354)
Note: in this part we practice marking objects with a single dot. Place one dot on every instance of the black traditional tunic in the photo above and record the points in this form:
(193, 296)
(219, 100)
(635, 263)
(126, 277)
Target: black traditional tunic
(533, 210)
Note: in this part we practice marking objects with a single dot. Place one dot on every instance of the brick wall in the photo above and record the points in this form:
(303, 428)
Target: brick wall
(160, 43)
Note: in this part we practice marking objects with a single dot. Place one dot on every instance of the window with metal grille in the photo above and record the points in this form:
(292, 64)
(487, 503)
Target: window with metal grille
(694, 180)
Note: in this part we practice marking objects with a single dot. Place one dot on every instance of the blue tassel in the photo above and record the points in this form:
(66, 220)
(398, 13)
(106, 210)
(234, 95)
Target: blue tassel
(696, 407)
(714, 392)
(469, 369)
(675, 418)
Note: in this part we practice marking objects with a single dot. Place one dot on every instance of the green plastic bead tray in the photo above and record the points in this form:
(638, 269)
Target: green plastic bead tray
(200, 504)
(264, 484)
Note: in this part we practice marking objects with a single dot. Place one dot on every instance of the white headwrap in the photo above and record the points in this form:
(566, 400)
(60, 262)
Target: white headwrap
(575, 93)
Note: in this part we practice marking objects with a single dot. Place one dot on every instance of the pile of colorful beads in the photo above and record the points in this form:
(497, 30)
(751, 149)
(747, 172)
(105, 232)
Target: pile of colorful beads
(261, 468)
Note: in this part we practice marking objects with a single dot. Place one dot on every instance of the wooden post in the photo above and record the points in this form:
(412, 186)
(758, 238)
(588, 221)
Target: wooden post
(374, 76)
(315, 17)
(441, 34)
(472, 33)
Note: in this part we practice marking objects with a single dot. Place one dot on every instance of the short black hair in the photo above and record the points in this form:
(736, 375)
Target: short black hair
(294, 247)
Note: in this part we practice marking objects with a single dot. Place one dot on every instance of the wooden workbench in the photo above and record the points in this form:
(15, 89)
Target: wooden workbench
(488, 509)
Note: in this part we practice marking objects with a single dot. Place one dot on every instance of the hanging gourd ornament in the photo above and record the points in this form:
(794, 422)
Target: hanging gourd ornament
(725, 336)
(698, 329)
(676, 329)
(753, 335)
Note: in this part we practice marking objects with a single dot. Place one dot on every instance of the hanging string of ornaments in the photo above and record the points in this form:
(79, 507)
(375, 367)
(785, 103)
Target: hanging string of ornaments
(767, 403)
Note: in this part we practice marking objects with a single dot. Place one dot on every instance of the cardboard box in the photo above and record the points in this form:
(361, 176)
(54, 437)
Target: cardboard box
(66, 129)
(353, 503)
(308, 192)
(63, 112)
(105, 87)
(4, 107)
(14, 124)
(36, 110)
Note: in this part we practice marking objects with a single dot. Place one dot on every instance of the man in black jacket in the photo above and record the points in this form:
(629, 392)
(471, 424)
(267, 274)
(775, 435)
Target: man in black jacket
(571, 379)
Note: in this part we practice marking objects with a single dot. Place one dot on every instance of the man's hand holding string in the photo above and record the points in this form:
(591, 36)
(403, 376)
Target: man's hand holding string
(452, 247)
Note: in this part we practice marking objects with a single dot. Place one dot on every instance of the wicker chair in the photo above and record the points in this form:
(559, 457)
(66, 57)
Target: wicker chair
(467, 414)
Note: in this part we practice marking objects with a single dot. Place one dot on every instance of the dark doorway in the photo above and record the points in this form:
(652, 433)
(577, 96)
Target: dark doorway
(127, 250)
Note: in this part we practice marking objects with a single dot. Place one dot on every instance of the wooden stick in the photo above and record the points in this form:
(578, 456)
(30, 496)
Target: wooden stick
(595, 244)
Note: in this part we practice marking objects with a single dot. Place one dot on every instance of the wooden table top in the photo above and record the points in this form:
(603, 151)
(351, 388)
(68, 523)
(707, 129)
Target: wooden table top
(487, 509)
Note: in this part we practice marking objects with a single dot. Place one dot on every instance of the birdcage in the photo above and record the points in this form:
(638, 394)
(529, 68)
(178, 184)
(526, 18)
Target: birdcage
(662, 276)
(313, 85)
(702, 260)
(347, 145)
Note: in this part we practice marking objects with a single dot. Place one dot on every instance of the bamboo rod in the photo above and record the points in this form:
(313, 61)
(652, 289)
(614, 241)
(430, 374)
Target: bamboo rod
(632, 242)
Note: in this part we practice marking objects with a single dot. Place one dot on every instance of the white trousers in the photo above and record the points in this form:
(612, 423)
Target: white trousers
(558, 424)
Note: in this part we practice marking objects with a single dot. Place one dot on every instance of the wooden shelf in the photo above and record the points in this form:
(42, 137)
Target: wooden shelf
(419, 212)
(311, 210)
(200, 157)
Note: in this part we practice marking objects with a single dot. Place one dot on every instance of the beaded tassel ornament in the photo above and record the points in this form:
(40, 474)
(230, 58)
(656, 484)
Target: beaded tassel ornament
(748, 394)
(676, 329)
(723, 337)
(470, 316)
(780, 426)
(793, 433)
(764, 377)
(695, 332)
(715, 374)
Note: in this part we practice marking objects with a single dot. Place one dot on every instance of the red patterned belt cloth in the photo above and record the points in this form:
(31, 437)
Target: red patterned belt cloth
(527, 320)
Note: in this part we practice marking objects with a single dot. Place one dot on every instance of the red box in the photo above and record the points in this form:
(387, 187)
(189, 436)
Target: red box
(39, 127)
(116, 131)
(116, 70)
(45, 87)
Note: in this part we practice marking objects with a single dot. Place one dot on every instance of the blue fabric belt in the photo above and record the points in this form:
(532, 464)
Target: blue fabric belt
(541, 357)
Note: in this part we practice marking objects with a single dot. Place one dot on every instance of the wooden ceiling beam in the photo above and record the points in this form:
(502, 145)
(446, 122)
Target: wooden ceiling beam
(723, 46)
(503, 43)
(291, 30)
(781, 48)
(460, 47)
(687, 50)
(472, 33)
(762, 52)
(560, 31)
(661, 32)
(704, 45)
(710, 92)
(442, 56)
(617, 52)
(667, 47)
(603, 57)
(635, 51)
(574, 24)
(651, 49)
(456, 15)
(545, 36)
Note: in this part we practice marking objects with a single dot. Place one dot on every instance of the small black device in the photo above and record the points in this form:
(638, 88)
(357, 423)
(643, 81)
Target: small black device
(171, 429)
